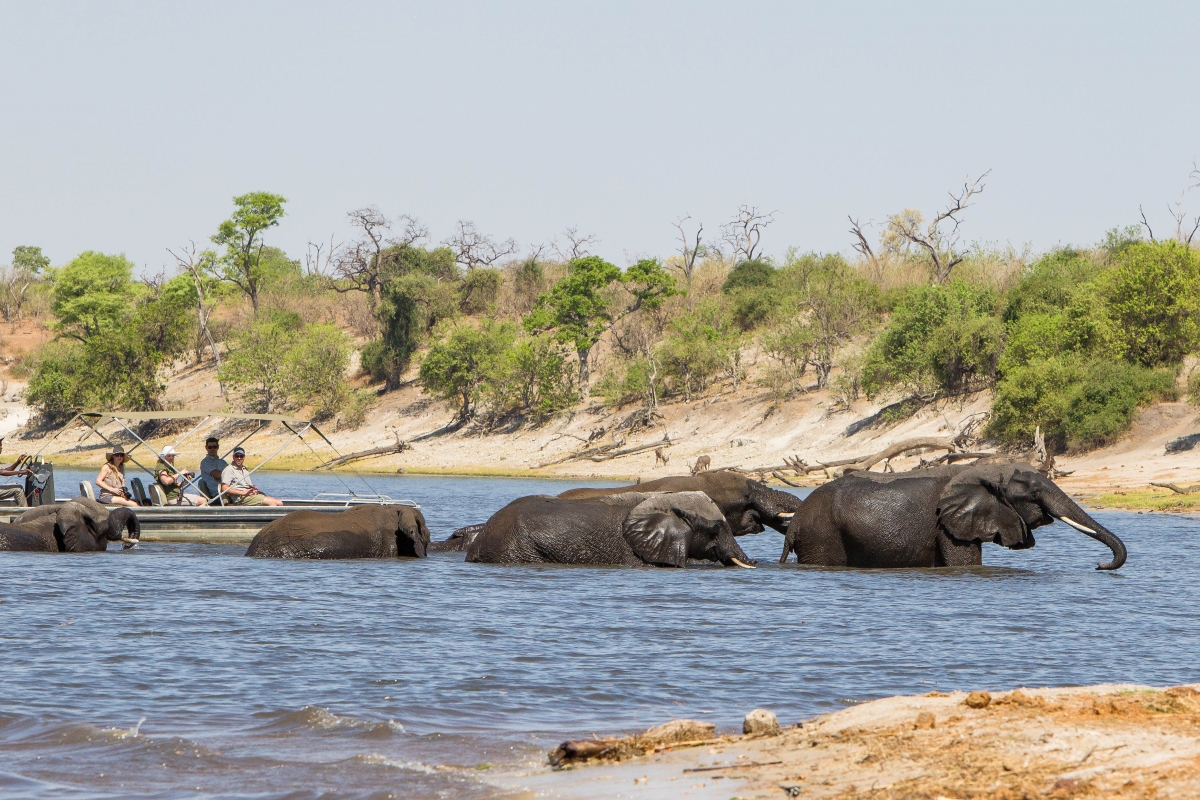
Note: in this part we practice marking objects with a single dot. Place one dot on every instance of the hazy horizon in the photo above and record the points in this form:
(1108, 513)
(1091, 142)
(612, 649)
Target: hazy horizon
(128, 127)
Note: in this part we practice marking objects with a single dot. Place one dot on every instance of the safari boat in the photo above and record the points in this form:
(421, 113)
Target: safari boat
(216, 522)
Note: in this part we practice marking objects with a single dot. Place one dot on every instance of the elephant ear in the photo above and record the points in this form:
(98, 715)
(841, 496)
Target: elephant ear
(971, 511)
(78, 529)
(657, 534)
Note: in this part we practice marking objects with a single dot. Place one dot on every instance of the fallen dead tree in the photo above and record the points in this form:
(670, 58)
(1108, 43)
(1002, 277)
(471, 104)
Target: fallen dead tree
(666, 442)
(1177, 489)
(387, 450)
(802, 467)
(589, 452)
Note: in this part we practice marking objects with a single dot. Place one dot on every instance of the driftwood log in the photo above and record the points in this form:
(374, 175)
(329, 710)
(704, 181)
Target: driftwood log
(588, 453)
(387, 450)
(1178, 489)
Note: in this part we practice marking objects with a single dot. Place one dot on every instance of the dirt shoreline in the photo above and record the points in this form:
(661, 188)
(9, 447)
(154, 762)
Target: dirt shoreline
(740, 428)
(1112, 740)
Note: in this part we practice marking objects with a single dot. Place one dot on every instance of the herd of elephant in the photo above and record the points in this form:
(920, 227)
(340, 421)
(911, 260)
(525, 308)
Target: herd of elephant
(933, 517)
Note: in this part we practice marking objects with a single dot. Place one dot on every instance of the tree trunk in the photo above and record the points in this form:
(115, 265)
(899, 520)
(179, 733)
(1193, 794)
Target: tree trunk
(584, 372)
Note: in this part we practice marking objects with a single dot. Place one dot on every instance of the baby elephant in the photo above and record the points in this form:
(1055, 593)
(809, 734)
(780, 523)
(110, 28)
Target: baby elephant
(367, 531)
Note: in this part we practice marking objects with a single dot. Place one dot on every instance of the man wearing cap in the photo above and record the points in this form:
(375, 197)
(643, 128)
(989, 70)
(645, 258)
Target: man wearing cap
(13, 494)
(238, 487)
(172, 480)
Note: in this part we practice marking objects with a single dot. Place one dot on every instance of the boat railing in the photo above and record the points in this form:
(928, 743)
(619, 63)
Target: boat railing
(352, 497)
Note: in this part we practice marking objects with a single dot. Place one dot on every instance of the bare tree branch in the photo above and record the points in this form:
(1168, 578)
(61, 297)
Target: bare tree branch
(577, 244)
(199, 266)
(939, 239)
(1147, 224)
(862, 245)
(473, 249)
(744, 231)
(690, 247)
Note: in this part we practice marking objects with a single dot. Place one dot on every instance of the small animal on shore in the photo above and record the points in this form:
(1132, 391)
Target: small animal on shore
(662, 529)
(366, 531)
(702, 463)
(660, 456)
(936, 517)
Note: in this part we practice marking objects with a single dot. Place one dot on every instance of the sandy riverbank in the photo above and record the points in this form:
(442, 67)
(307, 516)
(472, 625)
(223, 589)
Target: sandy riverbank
(1113, 741)
(741, 428)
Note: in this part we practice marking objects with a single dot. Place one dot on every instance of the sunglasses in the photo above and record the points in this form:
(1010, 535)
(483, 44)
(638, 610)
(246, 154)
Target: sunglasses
(211, 446)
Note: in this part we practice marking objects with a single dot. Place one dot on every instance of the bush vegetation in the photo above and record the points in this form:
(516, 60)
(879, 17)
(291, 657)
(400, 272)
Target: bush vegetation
(1073, 342)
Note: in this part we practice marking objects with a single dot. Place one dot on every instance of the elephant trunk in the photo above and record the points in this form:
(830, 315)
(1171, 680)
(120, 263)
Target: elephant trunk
(123, 526)
(729, 552)
(775, 509)
(1056, 502)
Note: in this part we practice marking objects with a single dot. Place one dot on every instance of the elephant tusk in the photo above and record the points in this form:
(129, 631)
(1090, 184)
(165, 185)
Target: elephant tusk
(743, 566)
(1077, 526)
(131, 541)
(786, 515)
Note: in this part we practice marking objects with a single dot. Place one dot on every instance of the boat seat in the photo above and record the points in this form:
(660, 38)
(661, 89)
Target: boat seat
(85, 490)
(138, 489)
(157, 496)
(204, 490)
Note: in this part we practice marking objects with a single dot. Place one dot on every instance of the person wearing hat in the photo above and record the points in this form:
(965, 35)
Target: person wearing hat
(172, 480)
(13, 494)
(237, 486)
(111, 480)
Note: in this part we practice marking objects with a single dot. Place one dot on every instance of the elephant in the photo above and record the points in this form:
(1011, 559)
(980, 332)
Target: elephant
(934, 517)
(629, 529)
(746, 503)
(79, 525)
(366, 531)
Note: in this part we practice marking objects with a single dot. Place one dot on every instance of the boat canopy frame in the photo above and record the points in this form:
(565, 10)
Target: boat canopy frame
(95, 420)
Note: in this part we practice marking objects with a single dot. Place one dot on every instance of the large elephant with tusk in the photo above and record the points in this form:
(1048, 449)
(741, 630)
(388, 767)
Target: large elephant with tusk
(935, 517)
(76, 526)
(747, 504)
(664, 529)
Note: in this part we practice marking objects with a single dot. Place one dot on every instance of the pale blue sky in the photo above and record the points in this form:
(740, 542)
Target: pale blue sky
(127, 127)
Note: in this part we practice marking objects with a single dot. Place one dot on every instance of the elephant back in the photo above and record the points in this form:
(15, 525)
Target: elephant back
(556, 530)
(22, 539)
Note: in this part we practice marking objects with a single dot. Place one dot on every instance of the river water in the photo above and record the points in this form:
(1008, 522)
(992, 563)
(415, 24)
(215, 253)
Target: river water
(175, 671)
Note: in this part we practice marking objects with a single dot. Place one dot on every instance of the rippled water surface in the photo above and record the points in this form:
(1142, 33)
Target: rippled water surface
(190, 671)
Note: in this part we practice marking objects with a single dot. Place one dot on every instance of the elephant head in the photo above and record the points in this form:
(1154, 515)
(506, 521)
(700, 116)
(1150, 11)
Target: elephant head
(1004, 503)
(666, 529)
(412, 536)
(82, 525)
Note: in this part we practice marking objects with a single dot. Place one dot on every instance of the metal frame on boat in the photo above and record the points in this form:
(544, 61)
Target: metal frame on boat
(219, 523)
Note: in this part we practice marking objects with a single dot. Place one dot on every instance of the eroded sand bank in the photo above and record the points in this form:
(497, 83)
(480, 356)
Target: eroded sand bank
(1115, 740)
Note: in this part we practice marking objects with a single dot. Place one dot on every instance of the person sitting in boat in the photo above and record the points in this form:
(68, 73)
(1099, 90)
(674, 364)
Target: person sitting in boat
(211, 466)
(172, 480)
(239, 488)
(111, 480)
(12, 494)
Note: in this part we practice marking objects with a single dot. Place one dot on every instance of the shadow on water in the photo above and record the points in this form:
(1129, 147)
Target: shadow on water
(267, 679)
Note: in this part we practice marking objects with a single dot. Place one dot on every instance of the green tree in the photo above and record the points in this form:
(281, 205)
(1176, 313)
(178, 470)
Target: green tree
(535, 377)
(28, 267)
(1153, 295)
(581, 307)
(464, 359)
(316, 367)
(241, 235)
(257, 365)
(698, 346)
(93, 294)
(118, 366)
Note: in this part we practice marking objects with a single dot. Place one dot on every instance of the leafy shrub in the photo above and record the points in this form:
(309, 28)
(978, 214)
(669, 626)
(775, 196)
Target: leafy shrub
(464, 359)
(1153, 295)
(938, 338)
(354, 414)
(748, 275)
(317, 366)
(637, 380)
(699, 345)
(479, 290)
(1079, 405)
(536, 376)
(1193, 387)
